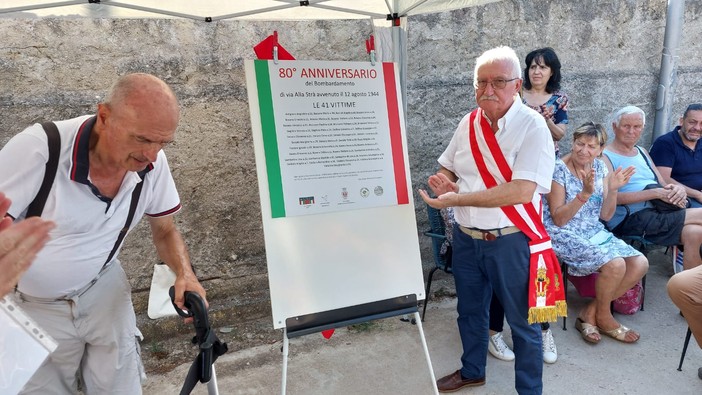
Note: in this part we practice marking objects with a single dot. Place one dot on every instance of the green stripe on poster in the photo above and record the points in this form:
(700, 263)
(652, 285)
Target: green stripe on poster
(270, 141)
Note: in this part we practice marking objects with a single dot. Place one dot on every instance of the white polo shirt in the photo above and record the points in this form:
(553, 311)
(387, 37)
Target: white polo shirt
(527, 145)
(87, 226)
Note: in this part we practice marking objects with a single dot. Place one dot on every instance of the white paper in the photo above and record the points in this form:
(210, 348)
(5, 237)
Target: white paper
(160, 304)
(23, 347)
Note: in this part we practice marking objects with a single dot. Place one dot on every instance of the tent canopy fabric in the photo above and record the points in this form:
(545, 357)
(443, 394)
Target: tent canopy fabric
(390, 36)
(214, 10)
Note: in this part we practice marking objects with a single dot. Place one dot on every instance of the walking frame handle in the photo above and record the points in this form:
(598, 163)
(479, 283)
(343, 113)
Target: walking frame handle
(204, 337)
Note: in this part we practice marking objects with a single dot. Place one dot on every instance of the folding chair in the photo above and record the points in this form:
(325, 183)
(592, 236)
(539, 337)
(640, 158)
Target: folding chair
(564, 274)
(437, 232)
(684, 350)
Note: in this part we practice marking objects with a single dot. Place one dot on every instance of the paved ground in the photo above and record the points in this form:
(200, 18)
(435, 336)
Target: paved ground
(386, 357)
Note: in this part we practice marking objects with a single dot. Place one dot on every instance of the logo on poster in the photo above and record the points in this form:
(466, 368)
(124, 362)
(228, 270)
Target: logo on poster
(378, 190)
(365, 192)
(306, 201)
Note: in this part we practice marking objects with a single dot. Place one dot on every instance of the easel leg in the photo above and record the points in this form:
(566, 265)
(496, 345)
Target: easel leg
(212, 384)
(285, 361)
(426, 351)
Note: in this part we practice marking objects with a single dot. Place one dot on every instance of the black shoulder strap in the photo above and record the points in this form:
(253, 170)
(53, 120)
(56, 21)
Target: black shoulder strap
(36, 207)
(648, 163)
(132, 209)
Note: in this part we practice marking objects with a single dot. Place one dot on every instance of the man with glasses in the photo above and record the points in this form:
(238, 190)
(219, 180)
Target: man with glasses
(678, 156)
(110, 168)
(490, 251)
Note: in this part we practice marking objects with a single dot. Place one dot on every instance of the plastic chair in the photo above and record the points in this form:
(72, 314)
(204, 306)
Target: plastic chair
(437, 232)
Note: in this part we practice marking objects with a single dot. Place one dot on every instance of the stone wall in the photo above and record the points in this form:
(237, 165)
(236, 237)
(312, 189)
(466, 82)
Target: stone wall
(59, 68)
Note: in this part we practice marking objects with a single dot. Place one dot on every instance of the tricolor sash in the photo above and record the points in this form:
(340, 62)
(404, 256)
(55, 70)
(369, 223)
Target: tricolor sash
(546, 295)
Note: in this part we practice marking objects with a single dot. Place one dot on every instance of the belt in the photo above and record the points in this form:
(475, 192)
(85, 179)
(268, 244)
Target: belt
(488, 234)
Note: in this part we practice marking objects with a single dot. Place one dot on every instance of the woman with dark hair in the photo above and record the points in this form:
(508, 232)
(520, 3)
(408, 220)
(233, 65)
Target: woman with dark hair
(541, 91)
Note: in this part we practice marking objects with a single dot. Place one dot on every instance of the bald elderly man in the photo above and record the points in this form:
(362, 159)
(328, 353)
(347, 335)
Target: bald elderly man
(111, 167)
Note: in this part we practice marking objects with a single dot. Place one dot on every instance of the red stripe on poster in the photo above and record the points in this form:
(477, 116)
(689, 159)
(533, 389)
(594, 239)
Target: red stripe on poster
(398, 158)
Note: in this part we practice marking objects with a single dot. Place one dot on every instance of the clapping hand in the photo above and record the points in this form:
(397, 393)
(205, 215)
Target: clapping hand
(620, 177)
(443, 188)
(588, 178)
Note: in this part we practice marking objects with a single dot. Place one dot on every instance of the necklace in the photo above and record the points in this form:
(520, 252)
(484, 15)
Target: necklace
(570, 164)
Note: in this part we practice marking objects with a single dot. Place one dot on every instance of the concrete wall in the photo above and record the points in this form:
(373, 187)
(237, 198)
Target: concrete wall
(59, 68)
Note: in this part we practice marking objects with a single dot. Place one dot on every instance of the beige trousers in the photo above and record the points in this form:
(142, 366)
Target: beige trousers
(96, 334)
(685, 289)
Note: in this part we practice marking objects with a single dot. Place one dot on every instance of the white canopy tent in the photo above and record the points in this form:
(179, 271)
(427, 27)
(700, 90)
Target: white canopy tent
(387, 17)
(222, 9)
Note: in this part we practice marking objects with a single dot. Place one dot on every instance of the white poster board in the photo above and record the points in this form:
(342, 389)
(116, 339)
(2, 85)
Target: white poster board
(333, 174)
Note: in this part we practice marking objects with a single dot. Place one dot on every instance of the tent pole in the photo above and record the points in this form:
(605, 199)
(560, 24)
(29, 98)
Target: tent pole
(399, 53)
(668, 74)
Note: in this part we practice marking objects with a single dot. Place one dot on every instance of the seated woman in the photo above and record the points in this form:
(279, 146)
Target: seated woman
(583, 191)
(666, 228)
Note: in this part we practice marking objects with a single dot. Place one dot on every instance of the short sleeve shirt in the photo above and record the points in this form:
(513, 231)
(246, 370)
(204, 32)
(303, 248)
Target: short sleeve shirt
(87, 226)
(685, 163)
(526, 143)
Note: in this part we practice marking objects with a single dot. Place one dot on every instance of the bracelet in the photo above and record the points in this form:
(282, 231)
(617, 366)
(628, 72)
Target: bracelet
(577, 196)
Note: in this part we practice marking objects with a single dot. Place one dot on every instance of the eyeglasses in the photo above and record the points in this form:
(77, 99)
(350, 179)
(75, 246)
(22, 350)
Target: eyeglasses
(496, 84)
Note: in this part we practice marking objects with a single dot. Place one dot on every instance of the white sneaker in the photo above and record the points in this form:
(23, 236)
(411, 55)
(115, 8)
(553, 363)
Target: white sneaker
(548, 345)
(499, 349)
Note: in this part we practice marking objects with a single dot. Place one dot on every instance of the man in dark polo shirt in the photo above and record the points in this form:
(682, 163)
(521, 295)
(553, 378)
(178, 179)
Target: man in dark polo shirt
(678, 156)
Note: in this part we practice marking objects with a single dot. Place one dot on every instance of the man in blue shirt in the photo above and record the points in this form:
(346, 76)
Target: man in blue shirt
(678, 156)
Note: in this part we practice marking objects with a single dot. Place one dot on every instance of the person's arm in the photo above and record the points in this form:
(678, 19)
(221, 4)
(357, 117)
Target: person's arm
(557, 130)
(673, 193)
(665, 173)
(172, 251)
(561, 211)
(558, 123)
(664, 193)
(612, 182)
(507, 194)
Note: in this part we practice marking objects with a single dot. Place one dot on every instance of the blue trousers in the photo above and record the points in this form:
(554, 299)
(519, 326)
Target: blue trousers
(479, 268)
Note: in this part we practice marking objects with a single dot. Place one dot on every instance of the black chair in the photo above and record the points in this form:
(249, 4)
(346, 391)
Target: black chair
(437, 233)
(684, 351)
(564, 274)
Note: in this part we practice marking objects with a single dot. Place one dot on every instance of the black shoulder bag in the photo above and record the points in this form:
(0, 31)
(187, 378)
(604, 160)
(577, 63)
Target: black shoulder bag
(660, 205)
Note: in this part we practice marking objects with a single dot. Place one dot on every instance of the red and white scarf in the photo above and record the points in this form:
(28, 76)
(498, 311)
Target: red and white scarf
(546, 294)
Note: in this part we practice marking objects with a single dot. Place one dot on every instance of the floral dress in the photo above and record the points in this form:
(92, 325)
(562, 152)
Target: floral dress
(556, 108)
(583, 242)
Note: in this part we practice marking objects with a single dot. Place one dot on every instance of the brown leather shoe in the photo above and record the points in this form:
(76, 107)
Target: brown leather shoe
(454, 382)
